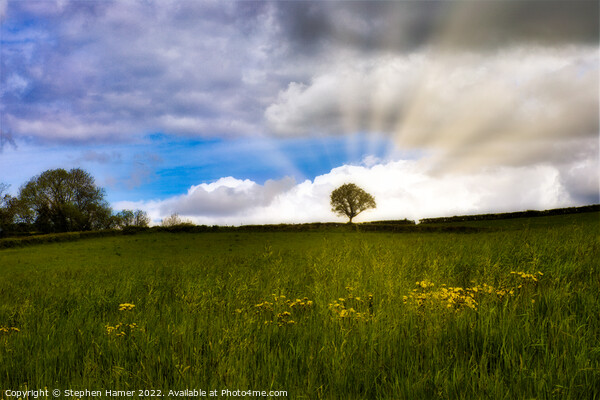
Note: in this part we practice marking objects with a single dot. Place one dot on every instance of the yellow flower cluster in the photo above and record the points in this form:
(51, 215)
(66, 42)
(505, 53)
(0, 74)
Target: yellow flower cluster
(449, 297)
(529, 278)
(353, 307)
(126, 307)
(284, 318)
(279, 303)
(457, 298)
(264, 306)
(484, 288)
(425, 284)
(5, 330)
(121, 329)
(298, 304)
(454, 298)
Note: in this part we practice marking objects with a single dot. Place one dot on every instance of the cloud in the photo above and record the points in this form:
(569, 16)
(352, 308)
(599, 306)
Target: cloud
(226, 197)
(581, 180)
(402, 189)
(403, 26)
(520, 106)
(93, 72)
(113, 71)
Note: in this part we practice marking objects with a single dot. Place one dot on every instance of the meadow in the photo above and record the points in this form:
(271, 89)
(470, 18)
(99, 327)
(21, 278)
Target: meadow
(509, 312)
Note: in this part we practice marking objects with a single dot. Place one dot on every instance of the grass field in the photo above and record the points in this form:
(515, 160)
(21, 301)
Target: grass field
(513, 313)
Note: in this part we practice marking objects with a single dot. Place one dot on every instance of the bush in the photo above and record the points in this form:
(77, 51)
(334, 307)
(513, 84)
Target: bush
(53, 238)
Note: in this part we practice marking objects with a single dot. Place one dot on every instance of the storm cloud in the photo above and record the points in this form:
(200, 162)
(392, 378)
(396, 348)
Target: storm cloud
(404, 26)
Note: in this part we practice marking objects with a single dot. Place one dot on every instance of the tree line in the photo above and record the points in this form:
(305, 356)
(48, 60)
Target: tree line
(58, 200)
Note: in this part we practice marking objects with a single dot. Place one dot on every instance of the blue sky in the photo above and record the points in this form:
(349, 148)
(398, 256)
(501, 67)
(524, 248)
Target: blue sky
(250, 112)
(159, 166)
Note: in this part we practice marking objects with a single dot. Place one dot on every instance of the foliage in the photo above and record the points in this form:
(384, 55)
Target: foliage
(64, 201)
(512, 215)
(30, 240)
(130, 218)
(349, 200)
(174, 220)
(173, 311)
(6, 212)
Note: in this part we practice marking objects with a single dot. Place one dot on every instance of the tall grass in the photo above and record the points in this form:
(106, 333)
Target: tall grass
(210, 312)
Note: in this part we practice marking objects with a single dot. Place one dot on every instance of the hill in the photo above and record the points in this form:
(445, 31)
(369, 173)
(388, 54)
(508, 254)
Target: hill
(326, 313)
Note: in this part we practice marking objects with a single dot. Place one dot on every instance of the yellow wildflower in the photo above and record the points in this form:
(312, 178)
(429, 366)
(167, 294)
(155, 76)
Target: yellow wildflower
(126, 307)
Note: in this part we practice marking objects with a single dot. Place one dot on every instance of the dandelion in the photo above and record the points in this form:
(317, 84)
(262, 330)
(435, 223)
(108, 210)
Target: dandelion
(126, 307)
(121, 329)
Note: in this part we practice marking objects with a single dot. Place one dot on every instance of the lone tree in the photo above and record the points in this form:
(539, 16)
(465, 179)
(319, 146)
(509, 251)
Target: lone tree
(350, 200)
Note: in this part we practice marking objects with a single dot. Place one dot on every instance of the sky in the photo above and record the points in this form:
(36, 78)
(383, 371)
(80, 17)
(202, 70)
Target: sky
(247, 112)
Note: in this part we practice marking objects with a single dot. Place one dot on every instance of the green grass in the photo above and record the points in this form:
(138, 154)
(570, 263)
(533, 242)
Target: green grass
(198, 324)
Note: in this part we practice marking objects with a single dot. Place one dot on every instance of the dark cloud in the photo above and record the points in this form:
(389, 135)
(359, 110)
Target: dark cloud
(581, 179)
(408, 25)
(311, 26)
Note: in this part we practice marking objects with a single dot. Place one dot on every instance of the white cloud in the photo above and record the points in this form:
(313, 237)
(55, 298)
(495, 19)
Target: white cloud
(519, 106)
(402, 189)
(226, 197)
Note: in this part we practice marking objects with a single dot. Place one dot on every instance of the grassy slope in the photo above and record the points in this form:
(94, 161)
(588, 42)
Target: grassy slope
(535, 222)
(198, 324)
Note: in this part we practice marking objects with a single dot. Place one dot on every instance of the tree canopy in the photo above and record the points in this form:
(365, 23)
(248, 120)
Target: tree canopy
(174, 220)
(350, 200)
(62, 201)
(137, 218)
